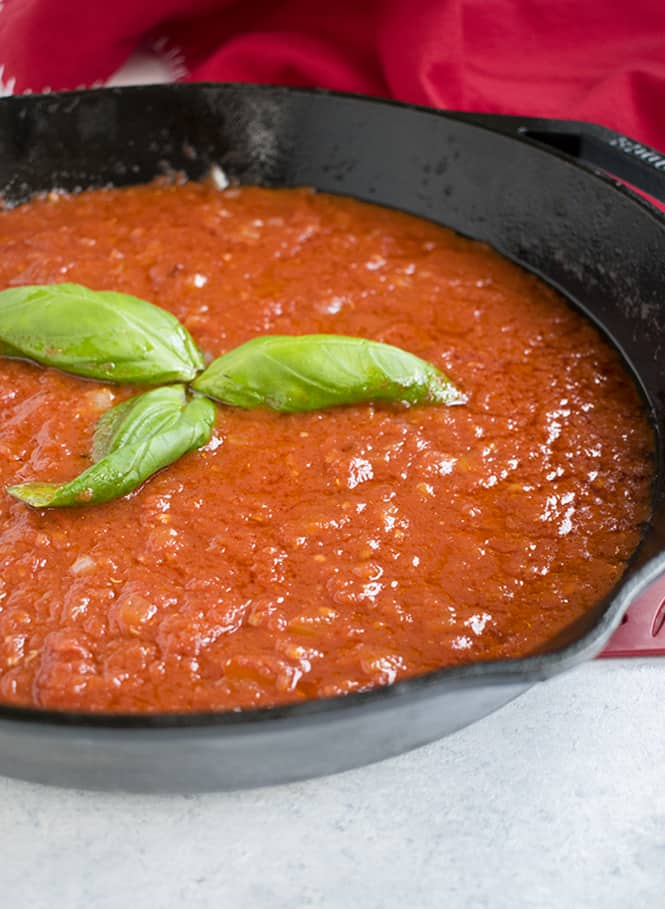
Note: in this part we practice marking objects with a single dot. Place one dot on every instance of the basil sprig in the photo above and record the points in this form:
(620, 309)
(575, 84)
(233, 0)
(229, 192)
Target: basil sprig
(97, 334)
(119, 338)
(133, 441)
(311, 372)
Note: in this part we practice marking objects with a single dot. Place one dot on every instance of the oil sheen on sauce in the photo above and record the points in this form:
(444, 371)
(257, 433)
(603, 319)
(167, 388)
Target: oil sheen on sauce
(308, 555)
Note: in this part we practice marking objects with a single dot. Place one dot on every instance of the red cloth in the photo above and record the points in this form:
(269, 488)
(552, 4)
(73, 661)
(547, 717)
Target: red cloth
(603, 60)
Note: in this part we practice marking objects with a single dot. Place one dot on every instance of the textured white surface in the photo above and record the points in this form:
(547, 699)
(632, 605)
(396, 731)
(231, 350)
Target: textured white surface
(558, 800)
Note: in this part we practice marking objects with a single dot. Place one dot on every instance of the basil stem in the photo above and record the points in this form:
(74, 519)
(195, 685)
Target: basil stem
(97, 334)
(308, 372)
(144, 435)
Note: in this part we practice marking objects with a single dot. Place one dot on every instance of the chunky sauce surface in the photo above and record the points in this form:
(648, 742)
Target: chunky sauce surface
(307, 555)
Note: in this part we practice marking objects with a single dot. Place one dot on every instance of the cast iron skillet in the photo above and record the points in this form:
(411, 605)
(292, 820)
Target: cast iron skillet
(532, 189)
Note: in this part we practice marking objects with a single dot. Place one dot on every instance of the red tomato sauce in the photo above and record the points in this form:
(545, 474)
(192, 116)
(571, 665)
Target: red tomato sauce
(307, 555)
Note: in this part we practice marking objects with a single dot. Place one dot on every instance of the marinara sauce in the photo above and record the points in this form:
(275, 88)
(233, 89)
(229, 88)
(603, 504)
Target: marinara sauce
(307, 555)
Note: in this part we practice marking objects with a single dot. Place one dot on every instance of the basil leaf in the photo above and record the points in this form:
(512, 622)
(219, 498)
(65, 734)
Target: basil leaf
(308, 372)
(124, 468)
(97, 334)
(137, 418)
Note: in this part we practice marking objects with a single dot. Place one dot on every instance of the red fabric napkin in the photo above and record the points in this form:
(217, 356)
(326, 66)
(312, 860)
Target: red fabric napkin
(603, 60)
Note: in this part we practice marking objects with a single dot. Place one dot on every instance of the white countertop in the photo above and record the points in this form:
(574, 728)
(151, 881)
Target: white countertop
(557, 800)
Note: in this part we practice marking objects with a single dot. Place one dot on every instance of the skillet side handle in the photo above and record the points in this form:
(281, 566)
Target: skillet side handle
(596, 146)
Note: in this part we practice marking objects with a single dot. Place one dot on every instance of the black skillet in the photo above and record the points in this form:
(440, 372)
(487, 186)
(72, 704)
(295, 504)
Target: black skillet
(536, 190)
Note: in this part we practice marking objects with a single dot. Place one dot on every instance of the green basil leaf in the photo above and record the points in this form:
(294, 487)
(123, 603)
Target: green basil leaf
(124, 468)
(97, 334)
(309, 372)
(138, 418)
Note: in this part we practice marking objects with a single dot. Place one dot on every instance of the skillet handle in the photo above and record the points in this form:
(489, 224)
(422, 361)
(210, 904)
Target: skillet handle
(589, 144)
